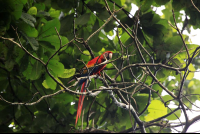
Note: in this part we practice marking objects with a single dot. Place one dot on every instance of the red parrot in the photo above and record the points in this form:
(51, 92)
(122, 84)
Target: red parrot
(96, 70)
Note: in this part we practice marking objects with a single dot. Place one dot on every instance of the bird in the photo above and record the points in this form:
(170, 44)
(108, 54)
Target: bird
(95, 70)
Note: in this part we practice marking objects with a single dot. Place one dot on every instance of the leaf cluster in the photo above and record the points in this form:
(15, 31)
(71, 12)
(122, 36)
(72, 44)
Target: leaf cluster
(144, 44)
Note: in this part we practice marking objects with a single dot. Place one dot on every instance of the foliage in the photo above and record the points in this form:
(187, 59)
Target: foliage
(44, 43)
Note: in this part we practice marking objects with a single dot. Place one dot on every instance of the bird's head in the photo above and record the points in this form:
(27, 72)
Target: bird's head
(107, 55)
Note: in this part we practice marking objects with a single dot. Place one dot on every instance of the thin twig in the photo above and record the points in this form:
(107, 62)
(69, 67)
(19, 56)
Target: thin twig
(195, 6)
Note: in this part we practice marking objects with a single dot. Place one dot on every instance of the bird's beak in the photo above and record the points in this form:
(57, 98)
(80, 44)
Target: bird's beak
(110, 55)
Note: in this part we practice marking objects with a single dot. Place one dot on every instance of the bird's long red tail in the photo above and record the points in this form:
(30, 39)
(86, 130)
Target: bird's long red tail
(80, 103)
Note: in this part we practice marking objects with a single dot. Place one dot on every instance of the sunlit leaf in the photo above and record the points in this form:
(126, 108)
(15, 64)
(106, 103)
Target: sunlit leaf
(68, 73)
(190, 84)
(191, 75)
(156, 109)
(56, 67)
(54, 13)
(49, 82)
(32, 11)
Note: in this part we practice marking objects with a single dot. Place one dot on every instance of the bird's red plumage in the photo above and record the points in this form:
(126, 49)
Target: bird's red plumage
(97, 60)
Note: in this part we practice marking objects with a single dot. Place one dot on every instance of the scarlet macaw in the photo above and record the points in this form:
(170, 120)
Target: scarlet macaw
(96, 70)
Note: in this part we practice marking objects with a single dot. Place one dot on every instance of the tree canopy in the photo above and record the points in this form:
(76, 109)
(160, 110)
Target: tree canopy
(45, 43)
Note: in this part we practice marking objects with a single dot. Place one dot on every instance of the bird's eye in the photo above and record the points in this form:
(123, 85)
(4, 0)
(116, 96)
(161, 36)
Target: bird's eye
(106, 56)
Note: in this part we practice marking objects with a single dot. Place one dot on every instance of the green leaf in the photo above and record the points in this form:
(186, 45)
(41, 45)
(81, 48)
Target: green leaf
(59, 82)
(27, 72)
(28, 19)
(167, 11)
(173, 116)
(56, 68)
(32, 41)
(86, 52)
(191, 74)
(191, 84)
(66, 27)
(65, 98)
(17, 6)
(68, 73)
(43, 14)
(3, 80)
(22, 1)
(110, 26)
(54, 13)
(44, 83)
(192, 47)
(9, 64)
(42, 106)
(40, 6)
(156, 109)
(123, 2)
(176, 5)
(124, 37)
(196, 87)
(49, 28)
(28, 77)
(158, 89)
(36, 70)
(83, 19)
(146, 5)
(141, 100)
(173, 44)
(116, 41)
(72, 110)
(94, 39)
(49, 83)
(87, 57)
(2, 31)
(32, 11)
(55, 41)
(161, 2)
(167, 98)
(172, 84)
(104, 15)
(28, 30)
(47, 46)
